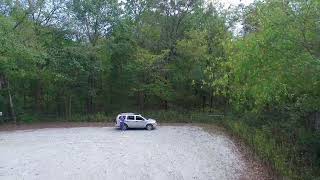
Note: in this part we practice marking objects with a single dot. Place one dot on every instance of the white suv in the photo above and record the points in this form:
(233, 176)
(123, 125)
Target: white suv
(132, 120)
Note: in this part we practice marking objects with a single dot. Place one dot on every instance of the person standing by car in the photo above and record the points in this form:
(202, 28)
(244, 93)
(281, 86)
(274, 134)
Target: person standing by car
(122, 123)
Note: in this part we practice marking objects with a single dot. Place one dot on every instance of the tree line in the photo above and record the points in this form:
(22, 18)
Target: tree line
(84, 56)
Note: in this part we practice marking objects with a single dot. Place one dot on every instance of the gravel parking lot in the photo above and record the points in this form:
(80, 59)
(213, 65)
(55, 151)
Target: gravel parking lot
(169, 152)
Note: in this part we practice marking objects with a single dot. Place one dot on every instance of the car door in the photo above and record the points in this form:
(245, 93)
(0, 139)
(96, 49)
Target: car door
(140, 122)
(130, 121)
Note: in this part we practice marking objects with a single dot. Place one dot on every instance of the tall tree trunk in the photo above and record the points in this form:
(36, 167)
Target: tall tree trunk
(70, 105)
(90, 95)
(141, 100)
(59, 103)
(39, 97)
(24, 99)
(47, 102)
(203, 103)
(67, 100)
(165, 104)
(91, 105)
(211, 102)
(66, 108)
(12, 111)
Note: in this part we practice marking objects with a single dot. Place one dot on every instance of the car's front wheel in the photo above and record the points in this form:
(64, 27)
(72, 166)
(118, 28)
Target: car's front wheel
(149, 127)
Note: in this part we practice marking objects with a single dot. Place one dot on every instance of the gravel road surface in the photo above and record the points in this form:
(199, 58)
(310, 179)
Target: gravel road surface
(167, 153)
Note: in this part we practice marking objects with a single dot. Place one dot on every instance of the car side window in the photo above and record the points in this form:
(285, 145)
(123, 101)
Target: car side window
(130, 118)
(139, 118)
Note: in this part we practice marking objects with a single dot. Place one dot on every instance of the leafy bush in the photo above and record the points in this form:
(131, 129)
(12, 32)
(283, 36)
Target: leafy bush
(182, 117)
(295, 154)
(27, 118)
(99, 117)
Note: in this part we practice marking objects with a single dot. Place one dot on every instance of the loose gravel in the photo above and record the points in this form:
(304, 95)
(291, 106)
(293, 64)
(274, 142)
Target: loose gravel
(169, 152)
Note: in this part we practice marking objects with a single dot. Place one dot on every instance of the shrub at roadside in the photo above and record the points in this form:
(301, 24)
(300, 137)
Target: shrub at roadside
(294, 153)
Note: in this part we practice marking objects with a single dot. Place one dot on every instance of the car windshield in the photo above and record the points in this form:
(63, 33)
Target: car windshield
(146, 118)
(140, 118)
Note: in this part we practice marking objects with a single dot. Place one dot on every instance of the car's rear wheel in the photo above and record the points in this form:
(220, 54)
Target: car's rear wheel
(124, 127)
(149, 127)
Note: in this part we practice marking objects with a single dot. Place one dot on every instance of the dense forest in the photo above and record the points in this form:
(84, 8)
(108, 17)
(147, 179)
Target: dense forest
(259, 62)
(86, 57)
(66, 57)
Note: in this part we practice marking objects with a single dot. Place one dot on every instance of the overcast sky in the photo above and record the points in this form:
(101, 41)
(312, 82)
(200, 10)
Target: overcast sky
(238, 27)
(235, 2)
